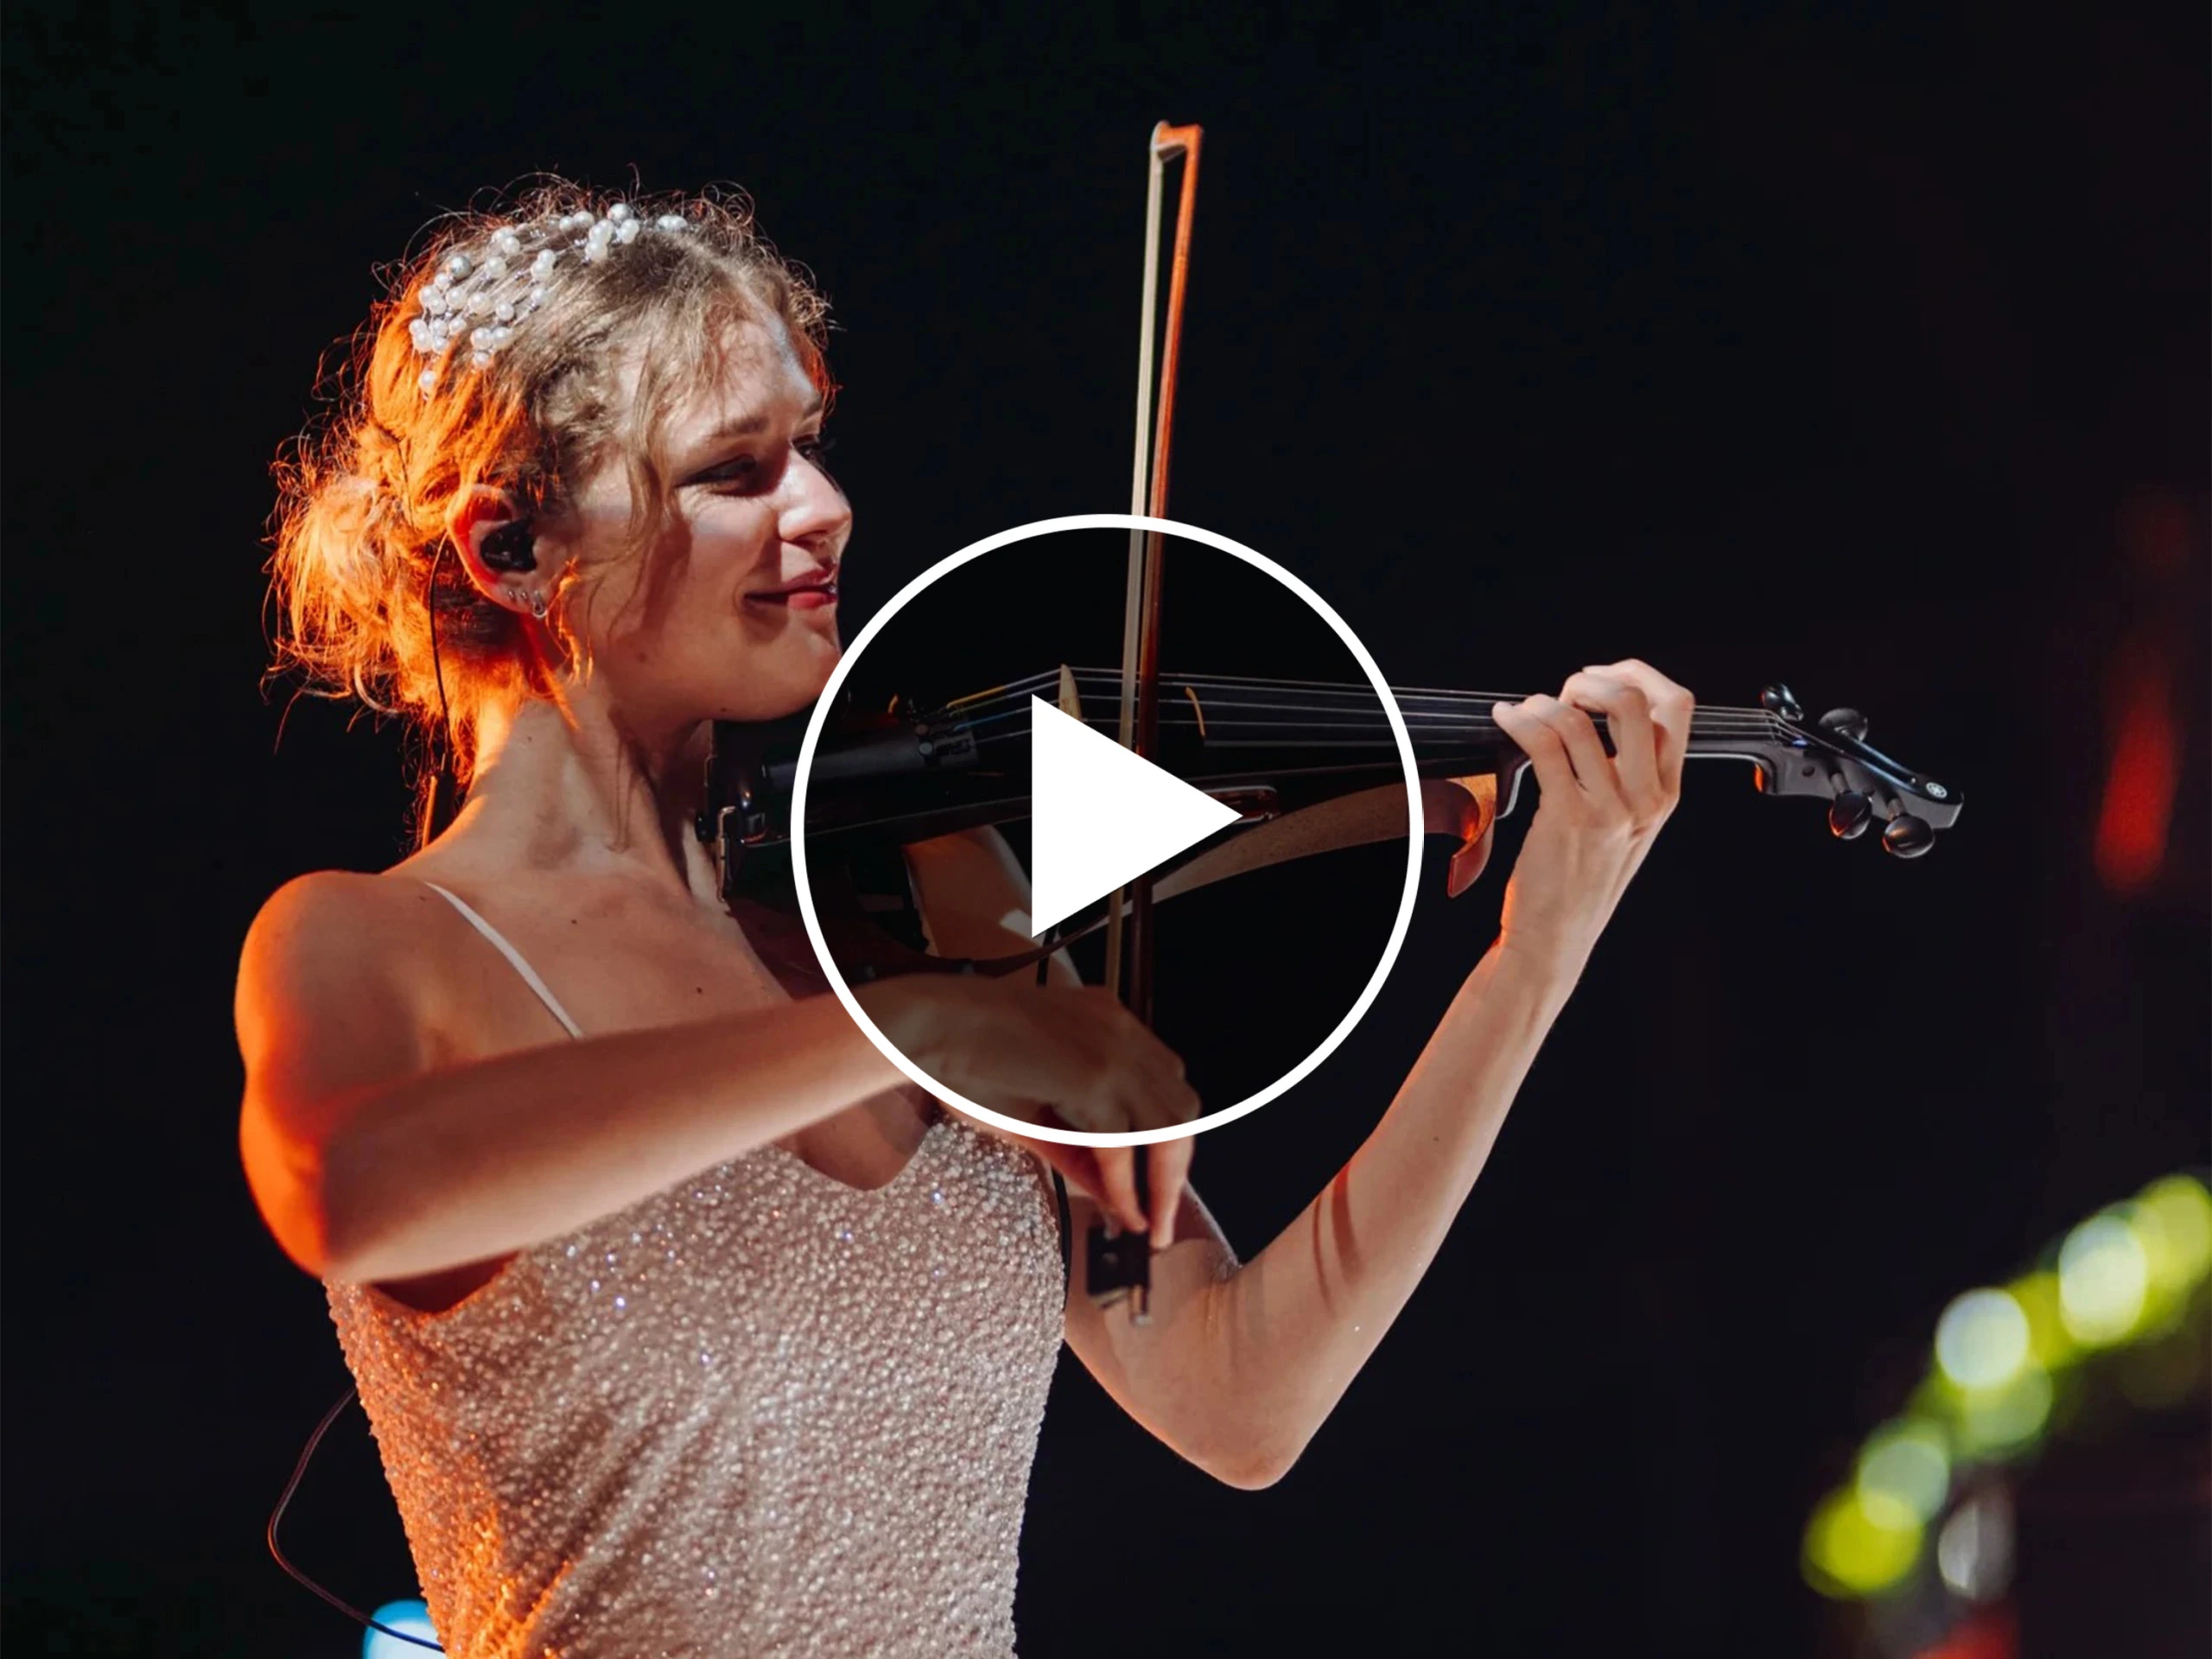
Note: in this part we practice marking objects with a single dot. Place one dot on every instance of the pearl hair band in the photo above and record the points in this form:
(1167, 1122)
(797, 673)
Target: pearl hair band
(481, 299)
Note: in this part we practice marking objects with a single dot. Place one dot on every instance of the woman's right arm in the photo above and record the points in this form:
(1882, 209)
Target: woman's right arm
(372, 1160)
(374, 1157)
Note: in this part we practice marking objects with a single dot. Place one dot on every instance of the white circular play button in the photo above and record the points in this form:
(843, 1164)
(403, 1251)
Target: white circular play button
(1101, 816)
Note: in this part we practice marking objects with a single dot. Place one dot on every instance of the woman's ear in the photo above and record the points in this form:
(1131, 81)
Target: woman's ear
(498, 548)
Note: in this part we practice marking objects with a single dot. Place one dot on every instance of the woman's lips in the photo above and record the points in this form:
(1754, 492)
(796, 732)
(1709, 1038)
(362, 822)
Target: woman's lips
(804, 596)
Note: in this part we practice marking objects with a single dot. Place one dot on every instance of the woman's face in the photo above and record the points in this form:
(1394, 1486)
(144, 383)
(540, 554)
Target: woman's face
(732, 614)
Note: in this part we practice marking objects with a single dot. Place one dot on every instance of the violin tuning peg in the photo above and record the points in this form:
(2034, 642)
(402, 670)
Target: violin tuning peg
(1908, 836)
(1845, 722)
(1849, 815)
(1779, 700)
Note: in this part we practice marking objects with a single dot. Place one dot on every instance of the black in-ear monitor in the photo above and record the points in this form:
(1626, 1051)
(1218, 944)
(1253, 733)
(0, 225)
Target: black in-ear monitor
(512, 547)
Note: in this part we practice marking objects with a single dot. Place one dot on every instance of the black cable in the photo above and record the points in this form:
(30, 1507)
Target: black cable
(284, 1498)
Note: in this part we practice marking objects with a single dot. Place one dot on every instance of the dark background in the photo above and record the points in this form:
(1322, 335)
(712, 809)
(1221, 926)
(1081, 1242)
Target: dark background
(1862, 347)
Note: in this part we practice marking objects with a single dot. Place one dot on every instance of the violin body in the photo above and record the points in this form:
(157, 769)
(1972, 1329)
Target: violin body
(1309, 768)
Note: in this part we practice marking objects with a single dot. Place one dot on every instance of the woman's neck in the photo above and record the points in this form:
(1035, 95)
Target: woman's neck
(569, 788)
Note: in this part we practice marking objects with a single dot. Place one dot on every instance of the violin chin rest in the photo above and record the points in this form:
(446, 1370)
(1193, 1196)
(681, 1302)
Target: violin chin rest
(1469, 862)
(1466, 809)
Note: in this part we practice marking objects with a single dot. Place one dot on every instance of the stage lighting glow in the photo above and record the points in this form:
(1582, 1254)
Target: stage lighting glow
(2012, 1366)
(1909, 1463)
(2104, 1278)
(1981, 1341)
(2049, 1346)
(1860, 1545)
(2172, 1221)
(413, 1617)
(1973, 1552)
(2007, 1419)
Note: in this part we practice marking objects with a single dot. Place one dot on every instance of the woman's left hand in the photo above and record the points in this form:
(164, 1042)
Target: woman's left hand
(1599, 813)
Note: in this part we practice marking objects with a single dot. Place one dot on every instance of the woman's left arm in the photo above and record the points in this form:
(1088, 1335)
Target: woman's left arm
(1242, 1364)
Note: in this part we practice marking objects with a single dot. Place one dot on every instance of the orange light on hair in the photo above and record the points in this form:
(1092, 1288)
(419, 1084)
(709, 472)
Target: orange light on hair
(368, 494)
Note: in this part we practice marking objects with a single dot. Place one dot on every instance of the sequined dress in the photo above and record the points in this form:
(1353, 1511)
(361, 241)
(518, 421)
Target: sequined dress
(762, 1412)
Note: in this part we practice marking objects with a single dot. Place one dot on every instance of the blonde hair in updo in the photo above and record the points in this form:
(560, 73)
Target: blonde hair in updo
(368, 495)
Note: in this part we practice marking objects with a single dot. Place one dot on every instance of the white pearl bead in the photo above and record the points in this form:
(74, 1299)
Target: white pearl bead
(629, 233)
(541, 267)
(458, 265)
(671, 222)
(619, 212)
(494, 268)
(504, 311)
(428, 381)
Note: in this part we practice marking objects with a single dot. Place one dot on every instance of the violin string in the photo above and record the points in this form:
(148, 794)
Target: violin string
(1711, 723)
(1201, 682)
(1014, 696)
(1219, 712)
(1278, 743)
(1289, 734)
(1720, 744)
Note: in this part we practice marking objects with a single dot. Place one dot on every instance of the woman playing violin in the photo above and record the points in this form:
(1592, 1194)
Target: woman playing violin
(684, 1324)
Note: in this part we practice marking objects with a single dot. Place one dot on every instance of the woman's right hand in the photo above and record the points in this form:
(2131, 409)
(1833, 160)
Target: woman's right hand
(1019, 1049)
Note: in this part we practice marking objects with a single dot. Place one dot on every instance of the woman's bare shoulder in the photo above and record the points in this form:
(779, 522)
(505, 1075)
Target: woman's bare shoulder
(343, 930)
(345, 909)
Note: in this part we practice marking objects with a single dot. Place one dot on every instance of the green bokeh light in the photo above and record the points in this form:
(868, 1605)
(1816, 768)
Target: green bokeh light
(1860, 1545)
(1981, 1341)
(2104, 1281)
(1908, 1462)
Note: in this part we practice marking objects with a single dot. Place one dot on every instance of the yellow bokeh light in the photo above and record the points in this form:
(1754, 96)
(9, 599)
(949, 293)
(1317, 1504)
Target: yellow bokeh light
(2104, 1281)
(2172, 1221)
(1907, 1462)
(1981, 1341)
(2005, 1419)
(1860, 1545)
(2049, 1346)
(2178, 1212)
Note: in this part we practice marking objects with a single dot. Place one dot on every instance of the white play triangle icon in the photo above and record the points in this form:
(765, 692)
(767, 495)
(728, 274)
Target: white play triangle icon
(1100, 815)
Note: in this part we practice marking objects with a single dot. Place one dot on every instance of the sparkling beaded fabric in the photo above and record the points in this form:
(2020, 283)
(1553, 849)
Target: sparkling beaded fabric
(760, 1413)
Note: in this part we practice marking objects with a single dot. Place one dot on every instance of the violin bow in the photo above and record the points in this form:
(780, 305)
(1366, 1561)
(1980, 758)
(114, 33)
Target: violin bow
(1116, 1265)
(1140, 716)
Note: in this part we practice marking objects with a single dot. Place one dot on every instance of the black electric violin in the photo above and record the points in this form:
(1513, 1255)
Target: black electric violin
(1307, 766)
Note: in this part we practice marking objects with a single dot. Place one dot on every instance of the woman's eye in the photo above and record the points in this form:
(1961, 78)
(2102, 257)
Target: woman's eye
(746, 473)
(743, 470)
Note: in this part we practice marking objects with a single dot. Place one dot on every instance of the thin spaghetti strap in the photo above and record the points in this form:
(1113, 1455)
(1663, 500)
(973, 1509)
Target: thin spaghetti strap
(514, 957)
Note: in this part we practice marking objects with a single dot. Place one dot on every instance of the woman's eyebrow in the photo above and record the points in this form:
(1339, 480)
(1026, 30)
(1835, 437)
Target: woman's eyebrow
(746, 426)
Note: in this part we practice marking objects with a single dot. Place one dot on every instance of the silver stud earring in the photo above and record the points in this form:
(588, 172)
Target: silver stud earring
(536, 601)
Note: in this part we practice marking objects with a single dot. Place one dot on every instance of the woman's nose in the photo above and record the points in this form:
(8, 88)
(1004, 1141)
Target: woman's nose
(813, 505)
